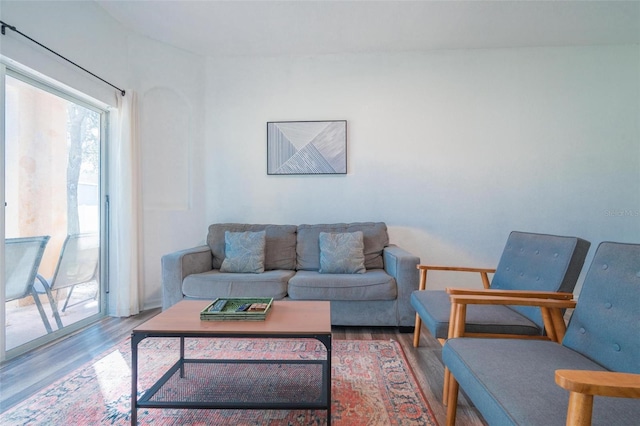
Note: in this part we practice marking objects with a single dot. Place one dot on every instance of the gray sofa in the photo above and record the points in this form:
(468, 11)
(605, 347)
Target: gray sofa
(378, 297)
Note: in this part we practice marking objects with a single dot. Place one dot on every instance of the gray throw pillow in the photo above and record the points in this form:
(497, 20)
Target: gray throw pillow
(244, 252)
(341, 253)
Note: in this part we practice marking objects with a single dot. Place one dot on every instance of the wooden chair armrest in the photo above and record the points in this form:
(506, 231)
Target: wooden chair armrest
(511, 293)
(512, 300)
(583, 385)
(455, 268)
(424, 268)
(601, 383)
(551, 310)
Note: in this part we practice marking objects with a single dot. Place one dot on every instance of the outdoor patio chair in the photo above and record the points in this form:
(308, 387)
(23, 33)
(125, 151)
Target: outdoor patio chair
(22, 260)
(77, 264)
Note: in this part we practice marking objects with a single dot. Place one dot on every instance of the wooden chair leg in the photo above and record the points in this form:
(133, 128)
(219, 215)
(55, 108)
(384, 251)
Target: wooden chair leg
(452, 401)
(416, 331)
(548, 324)
(445, 386)
(558, 324)
(422, 284)
(580, 409)
(453, 315)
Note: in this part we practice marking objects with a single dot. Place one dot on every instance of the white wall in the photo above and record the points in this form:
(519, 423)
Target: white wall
(171, 104)
(168, 83)
(452, 149)
(81, 31)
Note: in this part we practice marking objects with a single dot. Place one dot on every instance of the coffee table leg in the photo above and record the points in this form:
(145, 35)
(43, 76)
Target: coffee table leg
(135, 339)
(181, 357)
(329, 384)
(326, 341)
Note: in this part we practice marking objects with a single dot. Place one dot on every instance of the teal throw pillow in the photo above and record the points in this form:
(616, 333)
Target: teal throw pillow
(342, 253)
(244, 252)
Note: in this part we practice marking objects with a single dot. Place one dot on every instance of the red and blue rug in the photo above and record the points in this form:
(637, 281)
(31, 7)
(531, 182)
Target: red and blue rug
(372, 384)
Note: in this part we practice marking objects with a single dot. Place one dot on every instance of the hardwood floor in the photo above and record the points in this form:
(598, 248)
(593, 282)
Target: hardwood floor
(25, 375)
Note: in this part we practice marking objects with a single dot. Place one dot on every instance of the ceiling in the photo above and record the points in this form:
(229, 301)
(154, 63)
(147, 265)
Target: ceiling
(267, 28)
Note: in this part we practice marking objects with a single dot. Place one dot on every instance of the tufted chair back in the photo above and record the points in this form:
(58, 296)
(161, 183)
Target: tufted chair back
(605, 325)
(539, 262)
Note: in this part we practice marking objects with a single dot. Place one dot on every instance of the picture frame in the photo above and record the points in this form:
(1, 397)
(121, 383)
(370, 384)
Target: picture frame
(307, 147)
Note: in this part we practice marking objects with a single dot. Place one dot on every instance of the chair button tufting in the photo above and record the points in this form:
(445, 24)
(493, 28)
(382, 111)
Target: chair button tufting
(555, 254)
(582, 330)
(616, 347)
(638, 274)
(537, 251)
(538, 278)
(605, 267)
(607, 305)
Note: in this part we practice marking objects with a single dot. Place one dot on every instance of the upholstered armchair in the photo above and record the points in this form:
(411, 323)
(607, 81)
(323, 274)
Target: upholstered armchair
(523, 381)
(531, 265)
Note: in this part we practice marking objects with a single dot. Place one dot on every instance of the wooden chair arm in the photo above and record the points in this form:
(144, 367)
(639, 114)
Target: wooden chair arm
(512, 300)
(424, 268)
(583, 385)
(601, 383)
(551, 310)
(455, 268)
(511, 293)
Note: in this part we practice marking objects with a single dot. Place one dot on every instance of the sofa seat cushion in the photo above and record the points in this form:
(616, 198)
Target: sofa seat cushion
(434, 308)
(374, 284)
(374, 235)
(213, 284)
(280, 243)
(512, 381)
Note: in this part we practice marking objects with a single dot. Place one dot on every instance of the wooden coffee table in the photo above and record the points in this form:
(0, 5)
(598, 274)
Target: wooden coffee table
(286, 320)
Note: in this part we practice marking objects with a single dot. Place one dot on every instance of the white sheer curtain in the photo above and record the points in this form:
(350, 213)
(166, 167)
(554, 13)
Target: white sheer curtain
(125, 227)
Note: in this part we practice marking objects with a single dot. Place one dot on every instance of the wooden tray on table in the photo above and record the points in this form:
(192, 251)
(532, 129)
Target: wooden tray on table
(255, 309)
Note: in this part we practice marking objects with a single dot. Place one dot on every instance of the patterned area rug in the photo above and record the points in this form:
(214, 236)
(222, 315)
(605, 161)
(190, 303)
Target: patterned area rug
(372, 384)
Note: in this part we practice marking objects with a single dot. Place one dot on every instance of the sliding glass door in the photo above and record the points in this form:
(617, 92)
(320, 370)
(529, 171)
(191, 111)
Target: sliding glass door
(52, 191)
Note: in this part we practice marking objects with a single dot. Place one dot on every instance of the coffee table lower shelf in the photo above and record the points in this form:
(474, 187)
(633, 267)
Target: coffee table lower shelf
(237, 384)
(234, 384)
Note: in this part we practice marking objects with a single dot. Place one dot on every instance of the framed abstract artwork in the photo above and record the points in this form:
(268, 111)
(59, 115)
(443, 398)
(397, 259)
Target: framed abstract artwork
(307, 147)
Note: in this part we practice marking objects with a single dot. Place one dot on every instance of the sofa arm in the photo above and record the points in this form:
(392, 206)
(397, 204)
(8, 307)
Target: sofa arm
(402, 266)
(177, 265)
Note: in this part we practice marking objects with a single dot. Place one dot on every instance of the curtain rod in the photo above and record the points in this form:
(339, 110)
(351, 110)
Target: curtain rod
(12, 28)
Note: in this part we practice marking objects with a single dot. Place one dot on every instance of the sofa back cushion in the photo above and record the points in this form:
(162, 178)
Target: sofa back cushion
(280, 246)
(604, 325)
(308, 248)
(244, 252)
